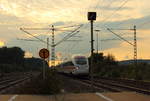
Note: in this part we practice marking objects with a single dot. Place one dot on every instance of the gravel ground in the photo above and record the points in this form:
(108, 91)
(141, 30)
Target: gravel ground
(69, 85)
(75, 86)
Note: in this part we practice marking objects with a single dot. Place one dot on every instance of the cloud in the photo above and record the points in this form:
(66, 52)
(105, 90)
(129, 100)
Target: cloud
(49, 11)
(60, 23)
(43, 13)
(113, 8)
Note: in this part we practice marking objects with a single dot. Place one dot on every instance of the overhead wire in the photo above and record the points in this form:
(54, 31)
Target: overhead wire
(122, 5)
(120, 37)
(67, 36)
(101, 7)
(129, 16)
(99, 1)
(33, 35)
(120, 23)
(108, 5)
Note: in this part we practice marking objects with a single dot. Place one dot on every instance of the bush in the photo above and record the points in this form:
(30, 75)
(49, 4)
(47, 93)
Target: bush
(50, 85)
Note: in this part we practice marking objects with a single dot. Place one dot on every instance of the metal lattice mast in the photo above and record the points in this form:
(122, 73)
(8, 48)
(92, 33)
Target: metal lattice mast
(48, 50)
(135, 46)
(53, 48)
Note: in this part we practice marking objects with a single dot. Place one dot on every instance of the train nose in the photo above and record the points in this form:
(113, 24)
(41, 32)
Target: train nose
(82, 70)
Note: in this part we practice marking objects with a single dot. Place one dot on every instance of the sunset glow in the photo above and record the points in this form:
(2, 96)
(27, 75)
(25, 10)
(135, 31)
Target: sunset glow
(1, 44)
(15, 14)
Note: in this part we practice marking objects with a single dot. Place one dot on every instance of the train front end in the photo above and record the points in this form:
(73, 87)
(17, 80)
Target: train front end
(81, 64)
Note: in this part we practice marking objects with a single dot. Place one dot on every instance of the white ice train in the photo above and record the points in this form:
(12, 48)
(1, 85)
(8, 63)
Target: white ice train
(78, 65)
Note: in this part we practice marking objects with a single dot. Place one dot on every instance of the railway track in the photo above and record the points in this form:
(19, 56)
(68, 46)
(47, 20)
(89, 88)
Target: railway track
(114, 85)
(10, 81)
(102, 86)
(123, 86)
(129, 82)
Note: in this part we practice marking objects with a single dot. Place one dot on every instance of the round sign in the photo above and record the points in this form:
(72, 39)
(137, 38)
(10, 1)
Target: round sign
(44, 53)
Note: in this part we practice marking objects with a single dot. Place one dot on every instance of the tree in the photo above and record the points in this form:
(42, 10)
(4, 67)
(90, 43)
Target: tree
(97, 58)
(14, 55)
(110, 60)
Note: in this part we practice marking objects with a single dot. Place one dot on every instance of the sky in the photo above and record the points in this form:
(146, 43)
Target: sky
(116, 14)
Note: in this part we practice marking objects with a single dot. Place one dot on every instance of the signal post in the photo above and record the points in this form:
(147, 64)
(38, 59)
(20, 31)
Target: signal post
(91, 18)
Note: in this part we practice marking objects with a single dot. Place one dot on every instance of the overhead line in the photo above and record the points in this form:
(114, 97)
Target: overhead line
(66, 37)
(120, 37)
(73, 40)
(110, 3)
(69, 26)
(110, 39)
(115, 11)
(99, 1)
(33, 35)
(27, 39)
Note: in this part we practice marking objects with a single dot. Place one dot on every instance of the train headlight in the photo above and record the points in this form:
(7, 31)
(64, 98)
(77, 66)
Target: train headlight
(77, 68)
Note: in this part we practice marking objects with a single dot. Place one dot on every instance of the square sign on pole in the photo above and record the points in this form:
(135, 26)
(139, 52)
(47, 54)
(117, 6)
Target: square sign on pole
(91, 15)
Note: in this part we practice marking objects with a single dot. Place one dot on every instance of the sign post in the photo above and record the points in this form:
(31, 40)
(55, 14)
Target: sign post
(44, 53)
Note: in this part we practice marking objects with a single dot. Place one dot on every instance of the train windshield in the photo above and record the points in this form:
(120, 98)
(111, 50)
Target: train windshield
(81, 61)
